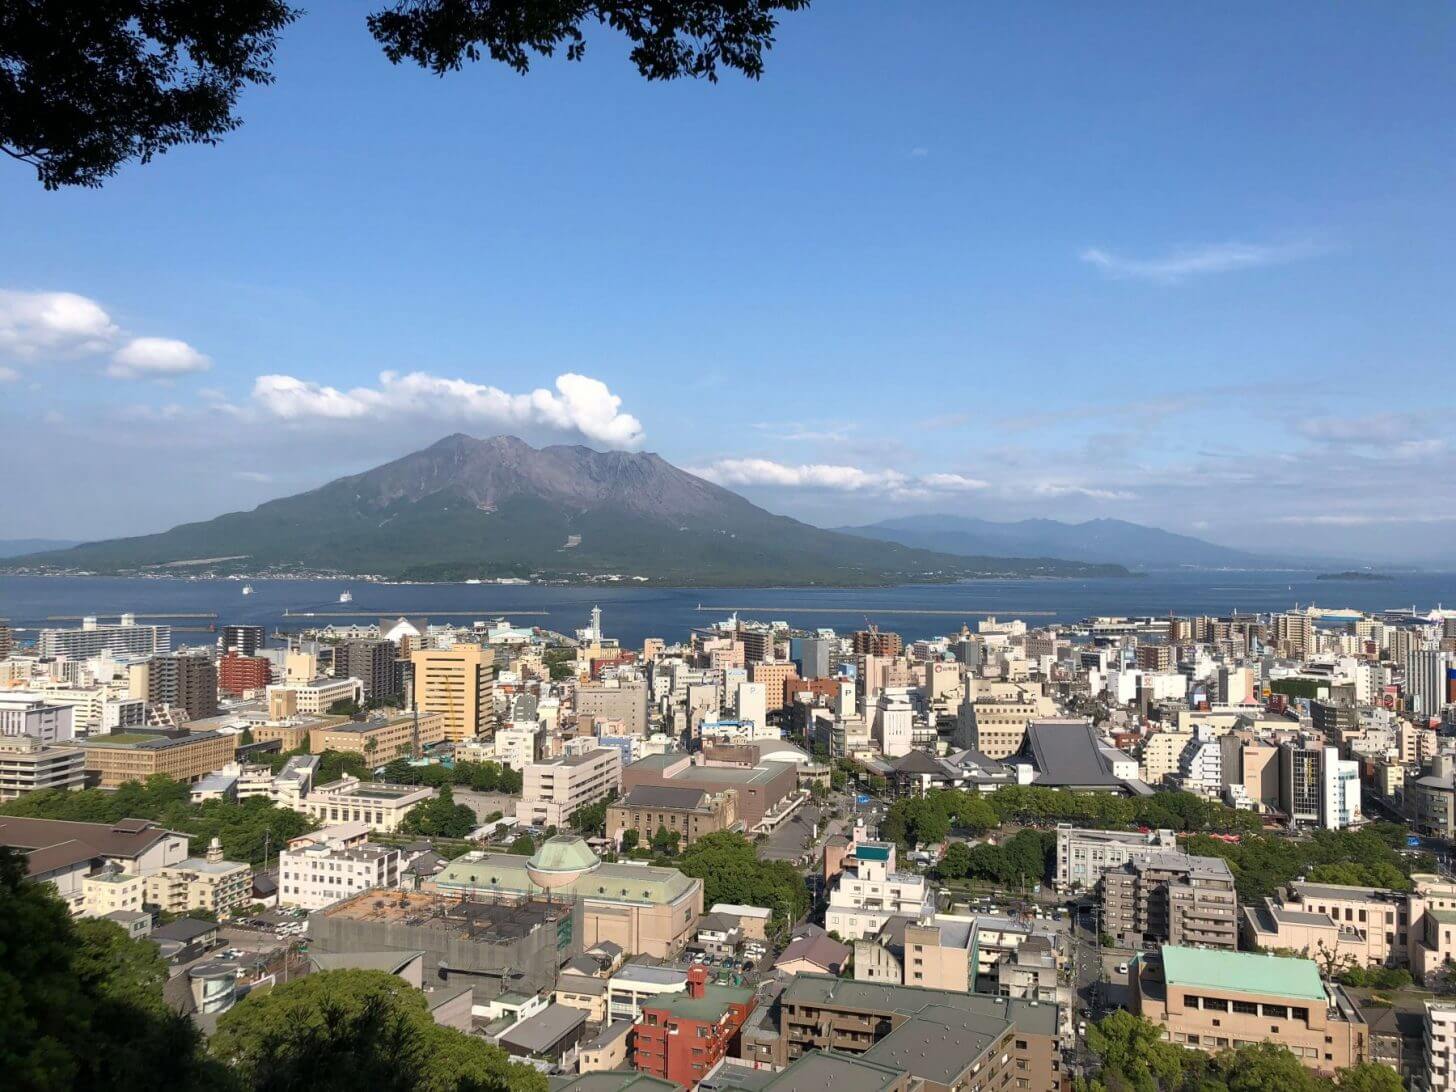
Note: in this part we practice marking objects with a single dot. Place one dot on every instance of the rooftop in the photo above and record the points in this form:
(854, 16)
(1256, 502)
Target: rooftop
(1243, 972)
(821, 1069)
(614, 882)
(708, 1008)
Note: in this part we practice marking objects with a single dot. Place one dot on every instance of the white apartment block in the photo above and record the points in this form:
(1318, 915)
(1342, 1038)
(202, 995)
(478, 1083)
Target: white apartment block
(869, 892)
(381, 806)
(92, 639)
(551, 791)
(515, 744)
(46, 722)
(201, 883)
(1084, 855)
(322, 868)
(1440, 1046)
(109, 891)
(28, 765)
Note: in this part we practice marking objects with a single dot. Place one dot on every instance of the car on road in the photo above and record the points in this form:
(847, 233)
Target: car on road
(1122, 968)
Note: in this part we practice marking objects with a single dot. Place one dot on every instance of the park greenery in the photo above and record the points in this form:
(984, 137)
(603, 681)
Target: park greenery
(477, 776)
(1264, 863)
(1022, 859)
(246, 829)
(731, 871)
(439, 817)
(1135, 1058)
(590, 820)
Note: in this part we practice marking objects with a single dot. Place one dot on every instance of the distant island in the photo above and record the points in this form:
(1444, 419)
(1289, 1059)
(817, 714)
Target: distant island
(1354, 574)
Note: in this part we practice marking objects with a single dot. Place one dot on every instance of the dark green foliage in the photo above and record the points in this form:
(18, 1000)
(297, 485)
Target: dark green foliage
(332, 765)
(85, 87)
(732, 872)
(1262, 864)
(81, 1003)
(1135, 1057)
(357, 1030)
(956, 863)
(243, 828)
(1299, 688)
(630, 838)
(1380, 978)
(440, 817)
(524, 845)
(665, 841)
(591, 820)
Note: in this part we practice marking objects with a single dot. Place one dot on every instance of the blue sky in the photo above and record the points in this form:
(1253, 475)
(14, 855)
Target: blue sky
(1185, 267)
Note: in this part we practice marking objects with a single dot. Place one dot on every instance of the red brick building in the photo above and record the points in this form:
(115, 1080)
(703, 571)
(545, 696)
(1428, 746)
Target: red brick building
(682, 1036)
(237, 674)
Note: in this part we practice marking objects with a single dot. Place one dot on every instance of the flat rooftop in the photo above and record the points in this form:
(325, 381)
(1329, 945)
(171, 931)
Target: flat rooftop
(1243, 972)
(474, 919)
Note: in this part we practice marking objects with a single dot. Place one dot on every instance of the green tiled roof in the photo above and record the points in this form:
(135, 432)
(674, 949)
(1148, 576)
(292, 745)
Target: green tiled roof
(612, 882)
(708, 1008)
(1243, 972)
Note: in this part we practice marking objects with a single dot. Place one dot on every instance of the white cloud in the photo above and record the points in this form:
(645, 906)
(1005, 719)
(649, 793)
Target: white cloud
(1197, 261)
(578, 404)
(252, 476)
(1354, 520)
(156, 358)
(835, 477)
(1061, 489)
(919, 153)
(32, 323)
(8, 375)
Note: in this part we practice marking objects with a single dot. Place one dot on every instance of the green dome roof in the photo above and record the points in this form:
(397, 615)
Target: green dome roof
(564, 853)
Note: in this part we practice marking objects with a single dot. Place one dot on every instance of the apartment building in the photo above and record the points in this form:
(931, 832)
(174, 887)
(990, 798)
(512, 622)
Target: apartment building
(944, 1040)
(245, 641)
(201, 883)
(28, 765)
(379, 738)
(1438, 1041)
(335, 863)
(459, 684)
(1359, 926)
(637, 984)
(1171, 898)
(377, 804)
(92, 639)
(239, 675)
(374, 662)
(119, 757)
(690, 813)
(185, 681)
(552, 791)
(1084, 855)
(776, 677)
(621, 700)
(869, 891)
(111, 891)
(685, 1036)
(1217, 1000)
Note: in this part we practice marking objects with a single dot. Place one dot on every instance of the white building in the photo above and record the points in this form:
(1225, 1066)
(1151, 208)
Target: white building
(869, 892)
(43, 721)
(894, 722)
(28, 765)
(1425, 680)
(1339, 791)
(551, 791)
(316, 695)
(635, 984)
(332, 864)
(93, 639)
(516, 744)
(379, 805)
(751, 706)
(1440, 1046)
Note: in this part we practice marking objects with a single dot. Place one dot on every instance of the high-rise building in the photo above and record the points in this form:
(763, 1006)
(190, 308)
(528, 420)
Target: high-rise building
(1155, 657)
(183, 681)
(814, 657)
(5, 640)
(1294, 634)
(374, 662)
(244, 640)
(871, 642)
(1299, 782)
(1171, 898)
(1425, 680)
(237, 674)
(92, 639)
(458, 683)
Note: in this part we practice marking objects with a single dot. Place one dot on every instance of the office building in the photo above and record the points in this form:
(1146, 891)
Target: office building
(1359, 926)
(28, 765)
(815, 656)
(1083, 856)
(765, 793)
(552, 791)
(1299, 782)
(313, 698)
(380, 738)
(777, 678)
(1216, 1000)
(623, 701)
(375, 663)
(1171, 898)
(377, 804)
(93, 638)
(689, 813)
(118, 757)
(319, 869)
(36, 718)
(459, 684)
(1425, 680)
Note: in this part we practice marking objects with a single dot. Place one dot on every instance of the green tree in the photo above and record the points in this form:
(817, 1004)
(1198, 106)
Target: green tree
(729, 866)
(957, 861)
(666, 841)
(357, 1029)
(440, 817)
(592, 818)
(524, 845)
(1370, 1077)
(630, 838)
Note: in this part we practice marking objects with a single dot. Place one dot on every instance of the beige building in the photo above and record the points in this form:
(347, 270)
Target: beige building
(608, 1051)
(585, 992)
(621, 700)
(691, 813)
(201, 883)
(1161, 752)
(997, 726)
(459, 684)
(1432, 916)
(552, 791)
(1335, 925)
(311, 698)
(1084, 855)
(1214, 1000)
(110, 890)
(380, 805)
(28, 765)
(119, 757)
(379, 739)
(1171, 898)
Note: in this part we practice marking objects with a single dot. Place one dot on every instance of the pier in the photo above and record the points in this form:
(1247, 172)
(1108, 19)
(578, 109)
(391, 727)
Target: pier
(392, 612)
(82, 617)
(999, 612)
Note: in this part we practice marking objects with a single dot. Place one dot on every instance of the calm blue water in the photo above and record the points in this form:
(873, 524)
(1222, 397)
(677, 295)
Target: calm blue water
(631, 614)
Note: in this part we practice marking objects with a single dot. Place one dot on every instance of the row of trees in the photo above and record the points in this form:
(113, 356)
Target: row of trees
(731, 871)
(1025, 858)
(1135, 1058)
(929, 819)
(246, 829)
(1370, 857)
(81, 1007)
(479, 776)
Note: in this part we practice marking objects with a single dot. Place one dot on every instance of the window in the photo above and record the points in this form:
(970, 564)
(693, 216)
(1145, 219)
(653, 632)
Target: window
(1218, 1004)
(1246, 1008)
(1281, 1011)
(1190, 1000)
(1300, 1014)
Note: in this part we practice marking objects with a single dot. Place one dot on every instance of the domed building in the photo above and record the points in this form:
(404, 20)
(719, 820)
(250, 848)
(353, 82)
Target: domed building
(561, 861)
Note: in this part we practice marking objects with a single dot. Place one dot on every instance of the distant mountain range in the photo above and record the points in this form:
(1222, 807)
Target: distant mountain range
(1096, 540)
(470, 508)
(15, 547)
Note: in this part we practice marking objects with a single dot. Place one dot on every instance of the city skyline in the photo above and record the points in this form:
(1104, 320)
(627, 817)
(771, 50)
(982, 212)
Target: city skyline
(1177, 270)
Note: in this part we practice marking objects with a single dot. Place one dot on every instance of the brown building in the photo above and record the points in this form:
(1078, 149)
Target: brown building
(691, 813)
(378, 739)
(1171, 898)
(776, 675)
(1212, 1000)
(183, 681)
(1155, 658)
(238, 675)
(759, 791)
(871, 642)
(120, 757)
(946, 1040)
(459, 684)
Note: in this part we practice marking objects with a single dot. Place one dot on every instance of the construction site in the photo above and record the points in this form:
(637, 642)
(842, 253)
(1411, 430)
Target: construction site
(496, 943)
